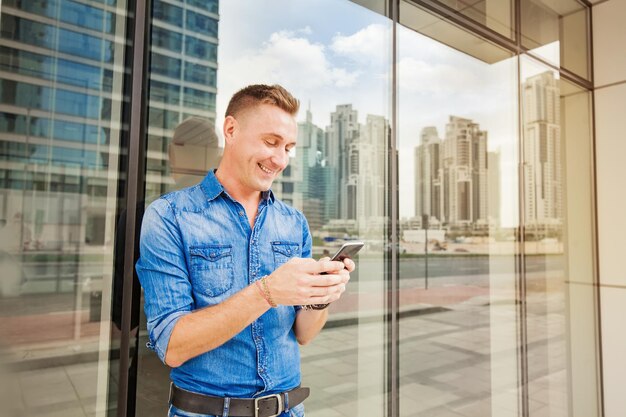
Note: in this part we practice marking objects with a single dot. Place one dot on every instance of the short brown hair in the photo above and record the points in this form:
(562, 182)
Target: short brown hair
(256, 94)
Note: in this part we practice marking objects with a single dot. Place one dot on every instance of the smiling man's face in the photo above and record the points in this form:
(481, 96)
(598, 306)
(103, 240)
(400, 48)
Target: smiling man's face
(260, 145)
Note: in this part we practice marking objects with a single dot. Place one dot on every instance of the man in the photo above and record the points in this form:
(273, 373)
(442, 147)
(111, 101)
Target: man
(230, 289)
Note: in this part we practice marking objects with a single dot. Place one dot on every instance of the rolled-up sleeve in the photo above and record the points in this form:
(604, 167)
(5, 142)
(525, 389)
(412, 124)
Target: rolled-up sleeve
(163, 274)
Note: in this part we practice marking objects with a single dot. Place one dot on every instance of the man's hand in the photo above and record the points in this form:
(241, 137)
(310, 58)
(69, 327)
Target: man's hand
(298, 282)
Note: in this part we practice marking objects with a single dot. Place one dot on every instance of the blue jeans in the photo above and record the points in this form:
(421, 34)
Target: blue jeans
(297, 411)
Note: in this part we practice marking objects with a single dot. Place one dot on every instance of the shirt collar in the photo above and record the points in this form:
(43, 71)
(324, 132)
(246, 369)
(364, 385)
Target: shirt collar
(213, 188)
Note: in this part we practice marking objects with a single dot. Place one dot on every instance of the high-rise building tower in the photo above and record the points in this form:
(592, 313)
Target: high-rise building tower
(372, 162)
(183, 78)
(311, 161)
(343, 158)
(61, 100)
(542, 152)
(428, 173)
(464, 164)
(493, 179)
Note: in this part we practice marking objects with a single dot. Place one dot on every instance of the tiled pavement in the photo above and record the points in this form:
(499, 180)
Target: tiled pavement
(447, 364)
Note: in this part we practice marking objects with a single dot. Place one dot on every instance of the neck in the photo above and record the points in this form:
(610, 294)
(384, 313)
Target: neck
(235, 190)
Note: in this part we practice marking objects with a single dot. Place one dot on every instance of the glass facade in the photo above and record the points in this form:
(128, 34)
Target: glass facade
(454, 138)
(62, 132)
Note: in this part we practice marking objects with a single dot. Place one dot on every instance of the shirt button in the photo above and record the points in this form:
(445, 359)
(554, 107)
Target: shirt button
(241, 212)
(212, 254)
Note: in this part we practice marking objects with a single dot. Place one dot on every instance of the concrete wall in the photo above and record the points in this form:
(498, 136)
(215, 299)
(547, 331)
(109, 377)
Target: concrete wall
(609, 47)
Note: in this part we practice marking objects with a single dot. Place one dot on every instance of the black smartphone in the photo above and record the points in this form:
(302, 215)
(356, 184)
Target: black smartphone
(347, 250)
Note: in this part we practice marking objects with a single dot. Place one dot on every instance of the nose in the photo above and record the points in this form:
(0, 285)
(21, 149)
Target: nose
(280, 158)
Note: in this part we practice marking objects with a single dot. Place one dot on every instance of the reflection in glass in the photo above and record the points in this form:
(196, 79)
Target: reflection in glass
(558, 250)
(558, 32)
(337, 174)
(62, 66)
(458, 214)
(497, 15)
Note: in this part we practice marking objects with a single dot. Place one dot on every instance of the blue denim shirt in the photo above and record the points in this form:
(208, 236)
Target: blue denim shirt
(196, 250)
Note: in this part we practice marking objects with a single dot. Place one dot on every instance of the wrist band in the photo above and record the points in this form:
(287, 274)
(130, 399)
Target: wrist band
(266, 291)
(258, 285)
(314, 307)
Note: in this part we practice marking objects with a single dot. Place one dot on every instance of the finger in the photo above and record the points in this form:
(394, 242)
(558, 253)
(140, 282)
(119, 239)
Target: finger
(325, 258)
(327, 280)
(350, 265)
(327, 291)
(329, 298)
(329, 266)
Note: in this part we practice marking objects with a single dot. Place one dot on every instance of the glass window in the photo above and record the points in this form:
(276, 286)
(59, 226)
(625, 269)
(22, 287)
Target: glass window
(198, 99)
(59, 129)
(84, 15)
(165, 119)
(458, 194)
(346, 124)
(67, 11)
(58, 237)
(167, 13)
(200, 74)
(208, 5)
(81, 75)
(164, 92)
(497, 15)
(199, 23)
(559, 249)
(200, 49)
(167, 39)
(558, 32)
(165, 65)
(39, 34)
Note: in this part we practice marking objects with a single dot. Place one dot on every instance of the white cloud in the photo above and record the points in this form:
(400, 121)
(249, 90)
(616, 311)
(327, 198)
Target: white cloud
(370, 43)
(441, 79)
(287, 58)
(292, 60)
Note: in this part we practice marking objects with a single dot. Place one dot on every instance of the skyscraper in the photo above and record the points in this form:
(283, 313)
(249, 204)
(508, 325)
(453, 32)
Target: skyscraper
(542, 153)
(451, 175)
(372, 169)
(428, 174)
(465, 173)
(183, 78)
(493, 179)
(60, 106)
(343, 157)
(311, 161)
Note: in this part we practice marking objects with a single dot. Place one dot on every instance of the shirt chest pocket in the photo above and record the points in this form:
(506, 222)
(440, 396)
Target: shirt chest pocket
(283, 251)
(212, 271)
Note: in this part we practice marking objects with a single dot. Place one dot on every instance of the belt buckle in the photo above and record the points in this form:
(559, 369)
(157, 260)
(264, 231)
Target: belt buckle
(279, 399)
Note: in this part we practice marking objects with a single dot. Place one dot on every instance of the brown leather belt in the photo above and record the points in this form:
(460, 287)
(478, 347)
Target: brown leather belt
(267, 406)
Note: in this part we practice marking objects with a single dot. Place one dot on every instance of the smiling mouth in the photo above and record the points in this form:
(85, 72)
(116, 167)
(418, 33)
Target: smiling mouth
(264, 169)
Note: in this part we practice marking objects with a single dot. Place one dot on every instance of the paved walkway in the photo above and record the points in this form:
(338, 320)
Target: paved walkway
(455, 361)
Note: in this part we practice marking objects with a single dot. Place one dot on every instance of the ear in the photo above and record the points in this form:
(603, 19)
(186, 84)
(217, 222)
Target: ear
(230, 128)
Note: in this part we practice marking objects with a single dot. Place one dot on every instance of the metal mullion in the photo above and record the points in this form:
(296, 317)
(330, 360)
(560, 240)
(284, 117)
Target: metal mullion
(522, 324)
(595, 229)
(393, 296)
(136, 152)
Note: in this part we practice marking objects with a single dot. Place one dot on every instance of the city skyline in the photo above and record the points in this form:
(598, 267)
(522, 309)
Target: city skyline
(452, 177)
